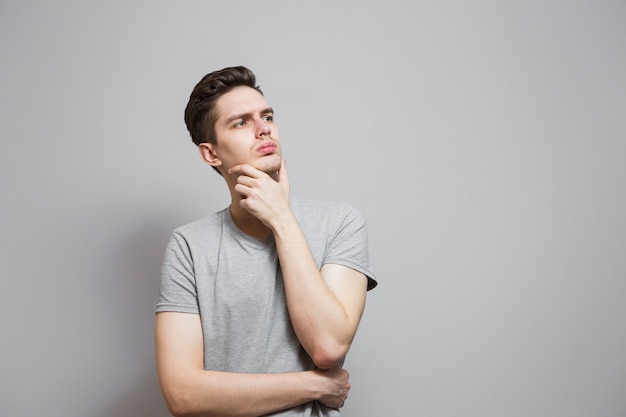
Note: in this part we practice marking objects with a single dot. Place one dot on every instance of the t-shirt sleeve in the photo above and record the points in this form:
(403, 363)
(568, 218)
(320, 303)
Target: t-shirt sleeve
(349, 246)
(178, 284)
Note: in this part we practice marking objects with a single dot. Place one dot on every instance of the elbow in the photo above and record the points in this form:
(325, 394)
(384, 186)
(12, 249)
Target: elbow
(178, 404)
(178, 409)
(329, 356)
(175, 411)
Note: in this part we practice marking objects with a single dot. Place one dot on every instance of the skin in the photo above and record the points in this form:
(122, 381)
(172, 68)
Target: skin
(325, 305)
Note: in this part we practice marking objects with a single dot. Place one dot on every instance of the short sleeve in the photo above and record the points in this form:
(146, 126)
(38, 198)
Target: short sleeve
(349, 246)
(178, 284)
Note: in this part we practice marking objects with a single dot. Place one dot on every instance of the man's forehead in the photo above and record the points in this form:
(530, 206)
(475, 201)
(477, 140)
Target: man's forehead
(240, 100)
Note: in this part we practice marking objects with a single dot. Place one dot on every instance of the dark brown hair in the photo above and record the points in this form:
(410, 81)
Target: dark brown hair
(201, 113)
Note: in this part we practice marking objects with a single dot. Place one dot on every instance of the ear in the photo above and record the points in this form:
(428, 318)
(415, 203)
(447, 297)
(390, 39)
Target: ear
(208, 154)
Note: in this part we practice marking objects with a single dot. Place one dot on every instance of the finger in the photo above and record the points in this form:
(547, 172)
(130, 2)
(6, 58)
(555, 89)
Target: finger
(243, 190)
(244, 169)
(246, 180)
(283, 177)
(282, 172)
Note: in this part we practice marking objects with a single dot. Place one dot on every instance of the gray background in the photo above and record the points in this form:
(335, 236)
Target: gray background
(483, 141)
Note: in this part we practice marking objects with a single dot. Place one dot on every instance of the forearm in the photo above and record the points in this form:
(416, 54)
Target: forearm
(225, 394)
(189, 390)
(319, 319)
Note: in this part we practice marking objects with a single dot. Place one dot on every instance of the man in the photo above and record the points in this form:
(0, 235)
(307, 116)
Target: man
(259, 302)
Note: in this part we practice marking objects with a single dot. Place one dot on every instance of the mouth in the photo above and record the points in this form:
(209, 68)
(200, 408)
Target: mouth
(267, 148)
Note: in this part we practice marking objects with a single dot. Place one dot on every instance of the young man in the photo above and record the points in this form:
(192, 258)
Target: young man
(259, 302)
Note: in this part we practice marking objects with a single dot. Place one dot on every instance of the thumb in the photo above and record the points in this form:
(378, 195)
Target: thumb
(283, 178)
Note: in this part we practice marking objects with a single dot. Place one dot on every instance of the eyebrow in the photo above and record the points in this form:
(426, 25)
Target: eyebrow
(247, 115)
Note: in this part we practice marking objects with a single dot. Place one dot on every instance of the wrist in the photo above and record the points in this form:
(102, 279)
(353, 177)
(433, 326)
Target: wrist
(283, 224)
(316, 383)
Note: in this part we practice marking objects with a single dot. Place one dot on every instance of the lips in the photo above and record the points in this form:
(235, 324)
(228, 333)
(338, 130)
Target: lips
(267, 148)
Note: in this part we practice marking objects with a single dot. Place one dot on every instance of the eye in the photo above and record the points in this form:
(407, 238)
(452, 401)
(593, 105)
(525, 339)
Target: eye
(239, 123)
(268, 118)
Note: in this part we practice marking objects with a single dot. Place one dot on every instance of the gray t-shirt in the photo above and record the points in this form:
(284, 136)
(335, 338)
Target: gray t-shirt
(235, 283)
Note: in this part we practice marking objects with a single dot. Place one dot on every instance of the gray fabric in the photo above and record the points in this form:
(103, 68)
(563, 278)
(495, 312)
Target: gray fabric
(235, 283)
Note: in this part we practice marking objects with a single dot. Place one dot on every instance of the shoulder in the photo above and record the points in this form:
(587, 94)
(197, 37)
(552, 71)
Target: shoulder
(202, 228)
(325, 217)
(327, 209)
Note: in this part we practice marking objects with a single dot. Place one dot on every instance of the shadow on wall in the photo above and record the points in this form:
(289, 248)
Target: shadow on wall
(130, 293)
(143, 399)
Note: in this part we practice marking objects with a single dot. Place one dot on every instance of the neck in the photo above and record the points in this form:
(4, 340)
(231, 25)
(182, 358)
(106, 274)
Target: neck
(247, 223)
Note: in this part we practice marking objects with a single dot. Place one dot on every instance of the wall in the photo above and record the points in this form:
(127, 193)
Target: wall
(483, 141)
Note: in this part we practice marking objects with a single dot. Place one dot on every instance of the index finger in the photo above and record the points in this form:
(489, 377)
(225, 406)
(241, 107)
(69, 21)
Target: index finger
(244, 169)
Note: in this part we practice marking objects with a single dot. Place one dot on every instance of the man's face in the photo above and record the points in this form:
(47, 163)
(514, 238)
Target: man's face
(245, 131)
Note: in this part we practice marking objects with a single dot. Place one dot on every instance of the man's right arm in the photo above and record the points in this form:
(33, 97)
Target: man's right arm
(190, 390)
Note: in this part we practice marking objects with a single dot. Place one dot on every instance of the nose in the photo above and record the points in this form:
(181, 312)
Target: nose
(262, 128)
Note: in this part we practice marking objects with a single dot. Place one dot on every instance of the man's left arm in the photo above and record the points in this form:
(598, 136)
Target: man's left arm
(325, 305)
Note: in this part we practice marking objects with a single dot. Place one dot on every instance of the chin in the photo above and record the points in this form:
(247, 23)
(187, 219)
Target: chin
(270, 166)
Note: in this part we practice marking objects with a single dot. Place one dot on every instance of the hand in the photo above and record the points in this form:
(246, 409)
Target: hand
(262, 196)
(338, 385)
